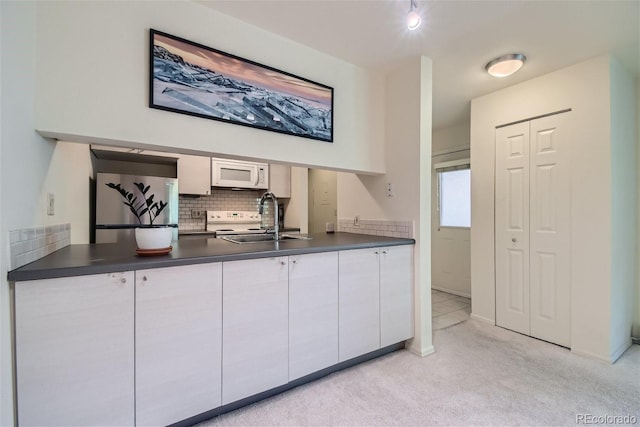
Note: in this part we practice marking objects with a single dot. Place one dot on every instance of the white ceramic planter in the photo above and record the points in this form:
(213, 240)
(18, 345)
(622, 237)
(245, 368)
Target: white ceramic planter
(153, 238)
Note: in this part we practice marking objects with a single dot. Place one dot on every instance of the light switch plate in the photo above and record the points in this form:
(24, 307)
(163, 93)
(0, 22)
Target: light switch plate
(51, 204)
(390, 191)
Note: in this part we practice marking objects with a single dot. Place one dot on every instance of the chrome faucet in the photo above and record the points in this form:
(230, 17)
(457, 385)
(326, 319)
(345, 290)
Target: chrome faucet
(272, 196)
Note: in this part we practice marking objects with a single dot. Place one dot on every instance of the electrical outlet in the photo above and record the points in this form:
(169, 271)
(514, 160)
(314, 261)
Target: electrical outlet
(356, 220)
(196, 214)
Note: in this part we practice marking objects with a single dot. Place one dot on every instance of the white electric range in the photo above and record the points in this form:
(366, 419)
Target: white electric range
(226, 223)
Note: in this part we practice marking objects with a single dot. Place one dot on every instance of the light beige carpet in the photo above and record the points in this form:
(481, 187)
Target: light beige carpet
(479, 375)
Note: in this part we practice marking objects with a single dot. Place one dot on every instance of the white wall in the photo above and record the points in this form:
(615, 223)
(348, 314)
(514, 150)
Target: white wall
(585, 88)
(322, 200)
(297, 214)
(68, 72)
(31, 167)
(68, 179)
(92, 85)
(624, 205)
(451, 138)
(636, 323)
(408, 148)
(24, 157)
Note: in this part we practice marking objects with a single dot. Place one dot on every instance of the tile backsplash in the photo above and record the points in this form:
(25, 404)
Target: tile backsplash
(220, 200)
(30, 244)
(377, 227)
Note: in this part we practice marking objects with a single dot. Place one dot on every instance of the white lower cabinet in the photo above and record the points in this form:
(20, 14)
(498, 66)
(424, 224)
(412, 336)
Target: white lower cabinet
(313, 313)
(255, 327)
(376, 299)
(359, 307)
(396, 294)
(161, 345)
(75, 350)
(178, 342)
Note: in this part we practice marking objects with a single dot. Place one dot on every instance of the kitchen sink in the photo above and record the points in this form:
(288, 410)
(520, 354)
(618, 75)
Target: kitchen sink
(255, 238)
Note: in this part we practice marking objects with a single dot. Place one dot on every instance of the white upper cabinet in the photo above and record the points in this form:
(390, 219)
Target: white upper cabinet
(280, 180)
(194, 175)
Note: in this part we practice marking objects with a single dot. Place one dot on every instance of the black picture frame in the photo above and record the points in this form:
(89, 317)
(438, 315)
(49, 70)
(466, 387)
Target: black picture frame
(190, 78)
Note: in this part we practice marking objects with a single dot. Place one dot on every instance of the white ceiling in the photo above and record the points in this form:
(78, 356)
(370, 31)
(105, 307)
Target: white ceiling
(460, 36)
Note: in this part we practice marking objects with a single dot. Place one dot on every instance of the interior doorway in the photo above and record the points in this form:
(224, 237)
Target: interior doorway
(451, 238)
(323, 200)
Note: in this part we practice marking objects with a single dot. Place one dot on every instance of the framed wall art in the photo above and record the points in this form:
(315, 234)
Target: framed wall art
(190, 78)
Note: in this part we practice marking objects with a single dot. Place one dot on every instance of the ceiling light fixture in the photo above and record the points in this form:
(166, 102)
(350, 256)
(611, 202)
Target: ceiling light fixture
(505, 65)
(413, 17)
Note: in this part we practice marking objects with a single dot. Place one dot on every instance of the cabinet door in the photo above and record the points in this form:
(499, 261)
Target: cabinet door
(359, 306)
(313, 313)
(194, 175)
(74, 350)
(178, 342)
(280, 180)
(255, 327)
(396, 294)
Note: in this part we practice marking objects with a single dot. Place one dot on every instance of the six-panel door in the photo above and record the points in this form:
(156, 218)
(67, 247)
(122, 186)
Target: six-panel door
(512, 227)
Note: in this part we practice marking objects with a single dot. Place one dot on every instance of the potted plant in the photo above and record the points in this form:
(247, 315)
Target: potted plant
(149, 237)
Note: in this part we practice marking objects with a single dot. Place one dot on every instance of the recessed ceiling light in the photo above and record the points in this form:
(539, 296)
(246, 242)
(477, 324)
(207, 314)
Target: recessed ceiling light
(413, 17)
(505, 65)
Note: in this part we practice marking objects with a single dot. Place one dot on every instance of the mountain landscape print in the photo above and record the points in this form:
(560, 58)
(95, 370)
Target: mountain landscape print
(197, 80)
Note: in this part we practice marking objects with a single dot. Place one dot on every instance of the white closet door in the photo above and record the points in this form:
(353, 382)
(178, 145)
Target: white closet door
(512, 227)
(550, 230)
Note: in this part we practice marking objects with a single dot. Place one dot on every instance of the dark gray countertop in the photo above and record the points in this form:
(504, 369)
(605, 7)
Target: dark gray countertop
(78, 260)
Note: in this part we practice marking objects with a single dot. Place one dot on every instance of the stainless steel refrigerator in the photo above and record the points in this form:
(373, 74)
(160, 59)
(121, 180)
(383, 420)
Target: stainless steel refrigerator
(114, 220)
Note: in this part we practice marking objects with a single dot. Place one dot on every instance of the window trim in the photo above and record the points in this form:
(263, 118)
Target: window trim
(450, 166)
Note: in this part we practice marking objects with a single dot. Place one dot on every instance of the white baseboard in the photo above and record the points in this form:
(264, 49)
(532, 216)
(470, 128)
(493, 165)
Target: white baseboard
(482, 319)
(590, 355)
(624, 347)
(450, 291)
(422, 352)
(610, 358)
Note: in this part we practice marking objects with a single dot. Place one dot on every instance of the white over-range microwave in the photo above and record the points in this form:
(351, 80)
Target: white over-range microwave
(239, 174)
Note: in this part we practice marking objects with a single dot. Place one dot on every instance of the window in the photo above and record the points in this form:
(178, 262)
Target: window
(454, 196)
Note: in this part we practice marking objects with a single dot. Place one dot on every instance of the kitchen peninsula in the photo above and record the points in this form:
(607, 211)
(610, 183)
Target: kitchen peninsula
(104, 336)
